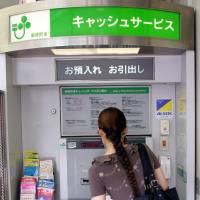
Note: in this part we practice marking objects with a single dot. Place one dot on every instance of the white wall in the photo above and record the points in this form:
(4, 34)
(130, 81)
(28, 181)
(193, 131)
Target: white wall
(181, 140)
(185, 129)
(41, 128)
(196, 5)
(3, 72)
(13, 128)
(41, 71)
(190, 125)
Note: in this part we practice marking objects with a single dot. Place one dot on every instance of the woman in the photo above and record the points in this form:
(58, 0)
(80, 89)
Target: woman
(119, 172)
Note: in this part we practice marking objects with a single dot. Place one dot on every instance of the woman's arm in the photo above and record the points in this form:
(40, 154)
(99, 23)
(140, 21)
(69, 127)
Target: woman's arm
(97, 186)
(162, 181)
(100, 197)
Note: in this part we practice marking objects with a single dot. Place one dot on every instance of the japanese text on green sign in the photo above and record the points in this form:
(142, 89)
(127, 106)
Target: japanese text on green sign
(115, 21)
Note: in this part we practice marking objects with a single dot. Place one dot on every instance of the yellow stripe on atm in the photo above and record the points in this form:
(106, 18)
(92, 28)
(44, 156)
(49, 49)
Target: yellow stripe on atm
(167, 107)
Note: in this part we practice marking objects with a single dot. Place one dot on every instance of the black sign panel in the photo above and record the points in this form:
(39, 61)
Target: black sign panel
(105, 69)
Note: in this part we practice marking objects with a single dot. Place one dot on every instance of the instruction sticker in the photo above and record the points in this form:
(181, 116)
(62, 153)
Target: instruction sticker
(164, 108)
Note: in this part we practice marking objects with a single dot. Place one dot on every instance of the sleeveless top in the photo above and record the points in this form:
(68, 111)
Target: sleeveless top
(107, 175)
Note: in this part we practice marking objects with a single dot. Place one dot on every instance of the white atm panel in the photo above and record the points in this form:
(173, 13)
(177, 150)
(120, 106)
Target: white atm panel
(41, 71)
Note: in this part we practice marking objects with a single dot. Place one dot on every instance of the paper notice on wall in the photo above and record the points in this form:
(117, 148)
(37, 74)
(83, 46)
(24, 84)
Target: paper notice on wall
(80, 108)
(181, 106)
(165, 162)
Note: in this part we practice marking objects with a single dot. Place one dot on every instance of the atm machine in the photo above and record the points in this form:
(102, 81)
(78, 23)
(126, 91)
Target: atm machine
(149, 109)
(80, 108)
(63, 62)
(76, 158)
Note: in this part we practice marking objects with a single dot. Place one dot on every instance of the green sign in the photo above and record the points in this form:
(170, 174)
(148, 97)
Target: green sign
(115, 90)
(95, 21)
(114, 21)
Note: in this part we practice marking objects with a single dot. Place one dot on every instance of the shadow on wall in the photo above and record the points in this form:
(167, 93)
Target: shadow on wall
(7, 3)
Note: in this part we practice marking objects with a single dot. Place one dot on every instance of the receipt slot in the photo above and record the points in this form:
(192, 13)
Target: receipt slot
(76, 157)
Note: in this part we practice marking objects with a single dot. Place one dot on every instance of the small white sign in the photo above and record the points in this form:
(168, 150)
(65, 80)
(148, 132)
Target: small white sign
(165, 162)
(164, 127)
(30, 26)
(164, 143)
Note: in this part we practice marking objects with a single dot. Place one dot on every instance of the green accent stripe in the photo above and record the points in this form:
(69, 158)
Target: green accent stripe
(117, 90)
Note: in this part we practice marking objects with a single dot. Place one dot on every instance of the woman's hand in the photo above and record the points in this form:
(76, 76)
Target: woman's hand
(160, 177)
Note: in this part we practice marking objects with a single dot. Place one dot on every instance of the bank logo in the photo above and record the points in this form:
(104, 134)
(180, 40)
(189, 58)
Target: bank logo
(30, 26)
(19, 29)
(164, 107)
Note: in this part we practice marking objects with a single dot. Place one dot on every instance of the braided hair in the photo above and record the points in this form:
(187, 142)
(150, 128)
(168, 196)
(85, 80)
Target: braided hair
(113, 122)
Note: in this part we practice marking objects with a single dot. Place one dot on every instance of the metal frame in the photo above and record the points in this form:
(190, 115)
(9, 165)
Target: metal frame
(3, 151)
(187, 27)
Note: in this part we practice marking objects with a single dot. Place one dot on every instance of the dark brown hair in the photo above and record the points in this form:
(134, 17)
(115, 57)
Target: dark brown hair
(113, 122)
